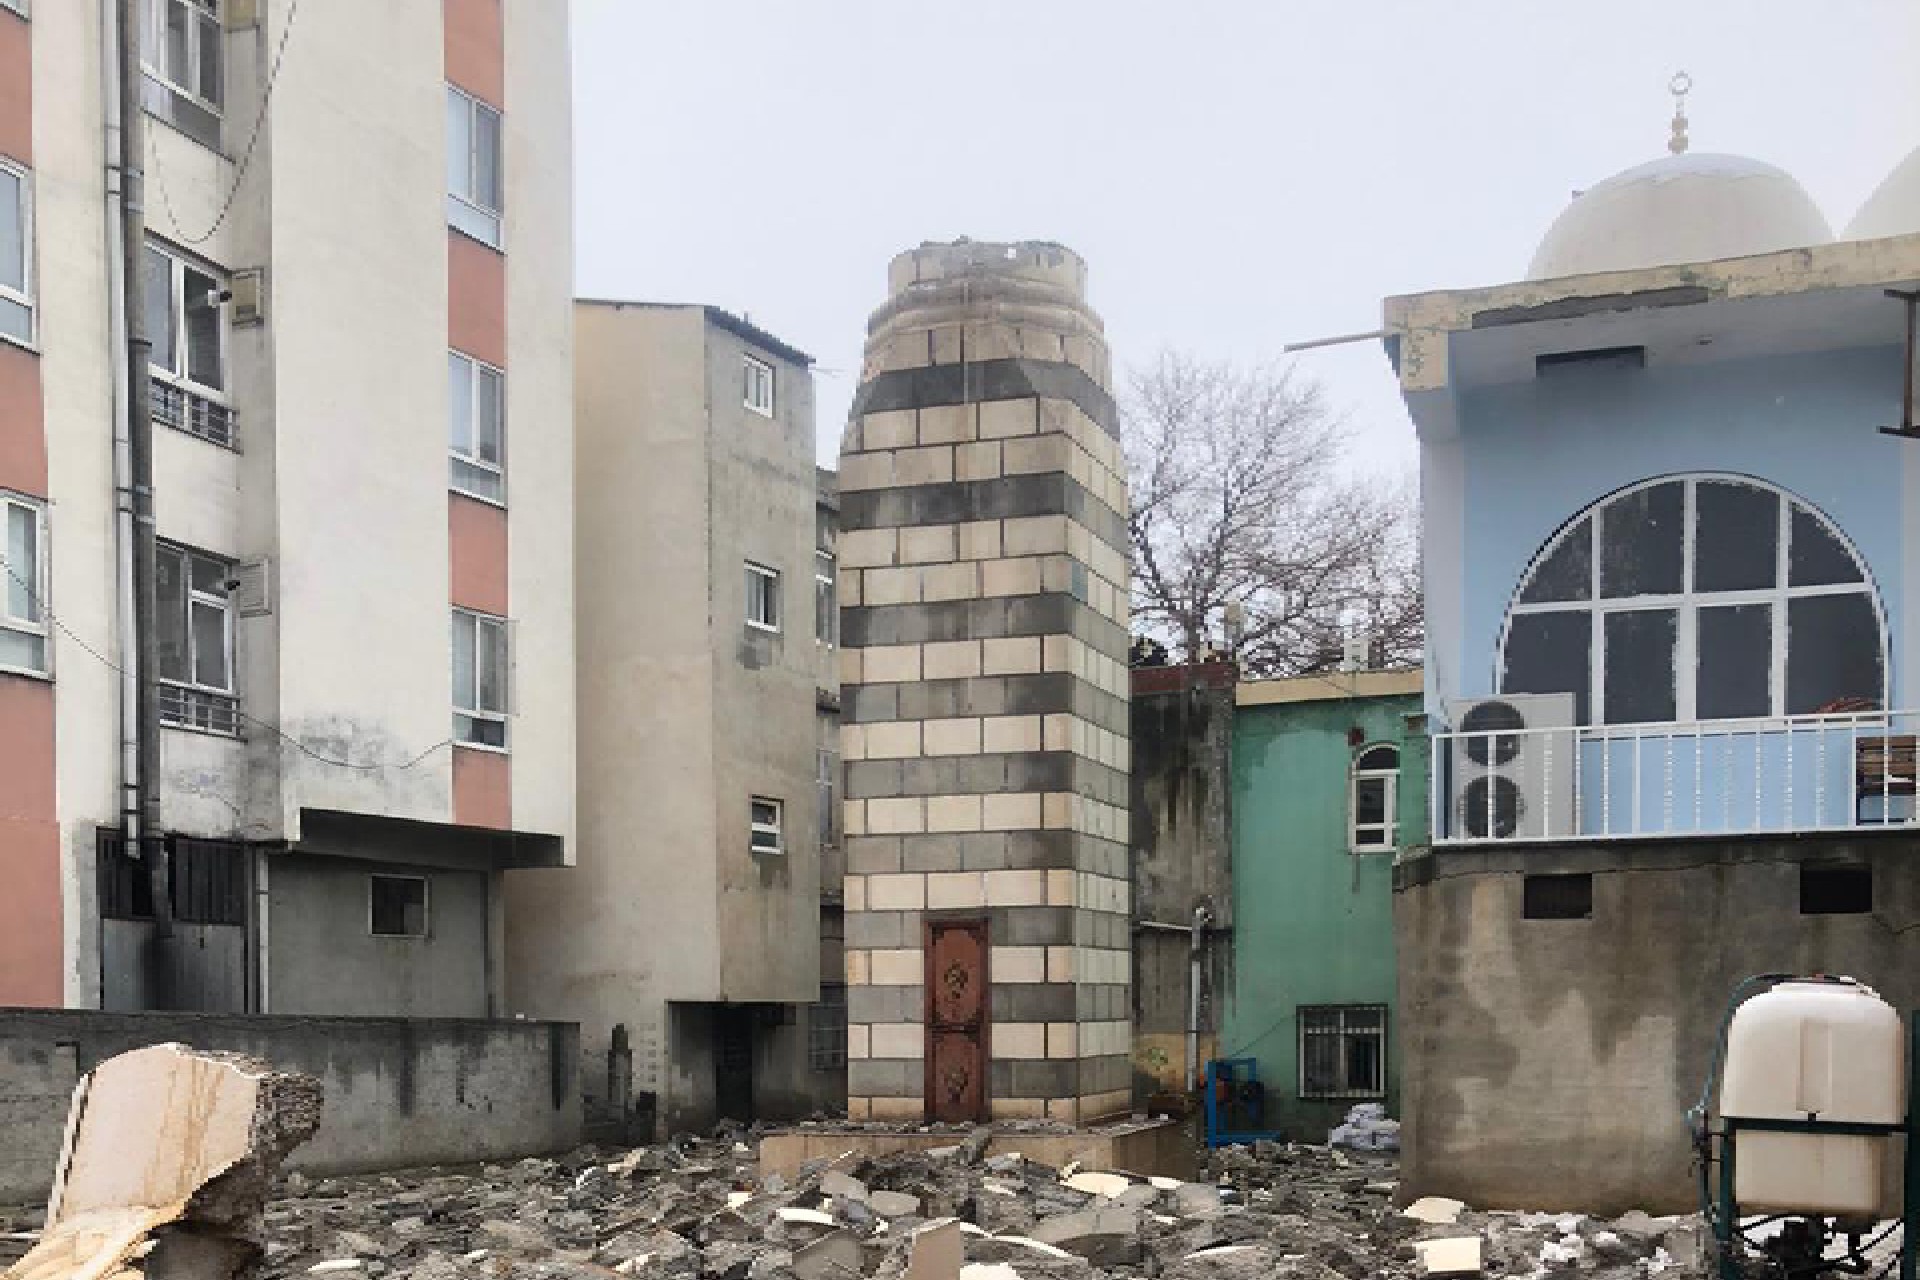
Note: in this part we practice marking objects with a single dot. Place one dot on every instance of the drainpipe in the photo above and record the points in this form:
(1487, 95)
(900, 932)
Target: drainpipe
(1202, 917)
(122, 457)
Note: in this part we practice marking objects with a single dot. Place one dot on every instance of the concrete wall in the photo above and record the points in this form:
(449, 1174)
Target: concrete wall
(1547, 1062)
(398, 1094)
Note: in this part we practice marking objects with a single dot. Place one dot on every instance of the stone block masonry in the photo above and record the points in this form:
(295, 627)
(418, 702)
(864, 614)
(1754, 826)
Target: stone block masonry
(983, 592)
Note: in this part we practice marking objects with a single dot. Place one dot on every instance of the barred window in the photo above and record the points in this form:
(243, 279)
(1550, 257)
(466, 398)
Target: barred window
(1343, 1051)
(827, 1029)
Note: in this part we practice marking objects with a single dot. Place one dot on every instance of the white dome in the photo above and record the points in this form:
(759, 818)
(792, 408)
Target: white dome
(1894, 207)
(1684, 208)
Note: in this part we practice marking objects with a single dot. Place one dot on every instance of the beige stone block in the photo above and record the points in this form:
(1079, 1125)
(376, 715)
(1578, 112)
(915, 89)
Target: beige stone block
(1056, 732)
(1019, 1040)
(853, 817)
(1035, 535)
(1060, 964)
(1050, 452)
(1015, 1109)
(1057, 811)
(896, 892)
(992, 340)
(950, 581)
(923, 466)
(859, 966)
(1064, 1110)
(913, 1108)
(1010, 577)
(1099, 1106)
(892, 429)
(1042, 344)
(1011, 811)
(946, 424)
(890, 663)
(1024, 888)
(950, 659)
(896, 815)
(956, 737)
(868, 548)
(1060, 888)
(906, 350)
(1007, 656)
(899, 1040)
(979, 461)
(924, 544)
(1079, 350)
(891, 740)
(1061, 573)
(1010, 733)
(896, 968)
(1010, 964)
(891, 586)
(866, 471)
(859, 1108)
(980, 540)
(853, 742)
(857, 1041)
(952, 890)
(1063, 1040)
(1056, 653)
(945, 344)
(1000, 419)
(846, 588)
(953, 813)
(853, 893)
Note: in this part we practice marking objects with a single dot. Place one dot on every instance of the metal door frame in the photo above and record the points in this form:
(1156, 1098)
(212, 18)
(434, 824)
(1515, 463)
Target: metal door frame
(984, 928)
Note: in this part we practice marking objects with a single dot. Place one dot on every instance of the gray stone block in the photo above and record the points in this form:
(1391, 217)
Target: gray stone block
(1038, 926)
(866, 930)
(1033, 1002)
(865, 703)
(885, 1077)
(871, 855)
(932, 852)
(866, 779)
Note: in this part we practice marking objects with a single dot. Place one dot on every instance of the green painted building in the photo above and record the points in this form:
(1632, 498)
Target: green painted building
(1329, 781)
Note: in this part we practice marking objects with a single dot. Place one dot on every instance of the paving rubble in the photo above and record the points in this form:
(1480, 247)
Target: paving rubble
(693, 1209)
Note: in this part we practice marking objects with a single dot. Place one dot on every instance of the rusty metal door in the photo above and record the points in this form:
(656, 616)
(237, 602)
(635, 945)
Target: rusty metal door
(956, 1087)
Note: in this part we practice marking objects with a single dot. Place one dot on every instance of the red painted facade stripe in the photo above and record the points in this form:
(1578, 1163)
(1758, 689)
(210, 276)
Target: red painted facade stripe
(477, 551)
(482, 789)
(476, 299)
(476, 49)
(32, 947)
(23, 436)
(16, 87)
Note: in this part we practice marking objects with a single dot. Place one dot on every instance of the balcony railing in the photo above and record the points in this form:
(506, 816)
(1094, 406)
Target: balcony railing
(1854, 771)
(189, 411)
(204, 709)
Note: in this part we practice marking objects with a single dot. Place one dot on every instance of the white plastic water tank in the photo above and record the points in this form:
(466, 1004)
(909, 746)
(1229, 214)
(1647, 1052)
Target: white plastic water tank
(1813, 1050)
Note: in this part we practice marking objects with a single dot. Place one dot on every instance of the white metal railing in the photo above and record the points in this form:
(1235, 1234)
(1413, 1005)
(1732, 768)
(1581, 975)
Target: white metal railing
(1848, 771)
(189, 411)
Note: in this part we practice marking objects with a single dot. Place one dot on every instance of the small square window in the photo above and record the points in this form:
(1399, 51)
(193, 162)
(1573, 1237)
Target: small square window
(765, 817)
(758, 379)
(1835, 890)
(397, 906)
(1557, 897)
(763, 597)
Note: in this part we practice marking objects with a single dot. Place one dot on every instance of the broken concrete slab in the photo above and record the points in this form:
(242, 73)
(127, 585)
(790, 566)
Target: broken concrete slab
(842, 1186)
(1437, 1211)
(936, 1251)
(834, 1256)
(1449, 1256)
(1098, 1184)
(893, 1204)
(1106, 1235)
(169, 1136)
(1196, 1200)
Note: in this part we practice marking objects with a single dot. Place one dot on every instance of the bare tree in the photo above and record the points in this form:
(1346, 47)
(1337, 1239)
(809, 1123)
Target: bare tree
(1239, 499)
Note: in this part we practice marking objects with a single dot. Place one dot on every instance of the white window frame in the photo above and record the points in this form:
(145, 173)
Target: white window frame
(463, 734)
(757, 389)
(1389, 829)
(467, 210)
(770, 576)
(426, 905)
(773, 831)
(36, 626)
(18, 6)
(192, 702)
(476, 370)
(826, 763)
(826, 601)
(23, 296)
(1687, 604)
(1340, 1033)
(179, 374)
(153, 40)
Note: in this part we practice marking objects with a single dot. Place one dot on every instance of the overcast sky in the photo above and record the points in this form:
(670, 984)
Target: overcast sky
(1237, 175)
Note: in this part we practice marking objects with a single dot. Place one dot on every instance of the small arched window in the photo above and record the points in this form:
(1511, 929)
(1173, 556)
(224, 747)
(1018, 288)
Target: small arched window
(1373, 811)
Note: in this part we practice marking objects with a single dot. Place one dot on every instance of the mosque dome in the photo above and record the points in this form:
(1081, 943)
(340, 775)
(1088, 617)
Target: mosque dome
(1691, 207)
(1894, 207)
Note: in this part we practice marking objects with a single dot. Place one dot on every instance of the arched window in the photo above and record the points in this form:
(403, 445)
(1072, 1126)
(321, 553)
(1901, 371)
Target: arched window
(1373, 811)
(1708, 597)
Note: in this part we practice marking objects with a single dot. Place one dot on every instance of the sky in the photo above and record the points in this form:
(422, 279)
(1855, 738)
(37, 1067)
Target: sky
(1238, 175)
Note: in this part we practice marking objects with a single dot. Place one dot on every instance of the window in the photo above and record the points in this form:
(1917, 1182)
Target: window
(1709, 597)
(757, 376)
(209, 881)
(397, 906)
(473, 167)
(194, 635)
(826, 608)
(479, 679)
(826, 771)
(1835, 890)
(23, 619)
(764, 816)
(16, 253)
(477, 396)
(763, 597)
(827, 1029)
(180, 52)
(1375, 813)
(1557, 897)
(186, 323)
(1343, 1051)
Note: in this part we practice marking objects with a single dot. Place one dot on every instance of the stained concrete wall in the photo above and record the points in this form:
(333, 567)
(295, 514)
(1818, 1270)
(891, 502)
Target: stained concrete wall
(1547, 1062)
(398, 1093)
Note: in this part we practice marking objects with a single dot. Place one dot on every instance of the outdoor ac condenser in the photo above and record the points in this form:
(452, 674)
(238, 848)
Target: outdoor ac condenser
(1511, 767)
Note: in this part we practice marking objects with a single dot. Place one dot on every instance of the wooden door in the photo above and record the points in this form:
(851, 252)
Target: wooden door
(956, 1086)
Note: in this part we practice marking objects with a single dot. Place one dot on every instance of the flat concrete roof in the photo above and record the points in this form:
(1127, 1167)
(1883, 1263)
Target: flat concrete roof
(1328, 687)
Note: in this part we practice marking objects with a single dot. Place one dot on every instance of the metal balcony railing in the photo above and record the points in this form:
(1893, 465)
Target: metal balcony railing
(189, 411)
(1780, 775)
(202, 709)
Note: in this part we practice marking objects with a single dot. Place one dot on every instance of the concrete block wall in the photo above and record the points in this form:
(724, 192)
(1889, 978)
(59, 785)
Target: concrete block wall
(983, 616)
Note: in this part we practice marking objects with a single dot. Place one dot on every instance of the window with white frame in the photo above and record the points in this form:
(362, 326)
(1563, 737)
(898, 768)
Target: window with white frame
(475, 192)
(479, 679)
(397, 906)
(476, 430)
(193, 636)
(23, 616)
(764, 816)
(826, 606)
(16, 252)
(757, 379)
(763, 597)
(1373, 811)
(1343, 1051)
(826, 786)
(186, 323)
(180, 54)
(1702, 597)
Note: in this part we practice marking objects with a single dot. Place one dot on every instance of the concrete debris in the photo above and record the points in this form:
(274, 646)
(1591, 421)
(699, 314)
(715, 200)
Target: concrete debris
(169, 1159)
(1367, 1128)
(1434, 1210)
(1449, 1256)
(936, 1251)
(1098, 1184)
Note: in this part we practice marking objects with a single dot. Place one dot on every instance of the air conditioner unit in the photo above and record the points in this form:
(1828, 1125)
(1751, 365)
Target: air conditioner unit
(1511, 767)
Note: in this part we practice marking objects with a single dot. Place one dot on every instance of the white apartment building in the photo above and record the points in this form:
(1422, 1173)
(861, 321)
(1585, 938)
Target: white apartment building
(358, 270)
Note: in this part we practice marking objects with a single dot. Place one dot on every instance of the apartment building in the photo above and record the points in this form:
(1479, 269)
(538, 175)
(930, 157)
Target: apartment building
(357, 276)
(692, 934)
